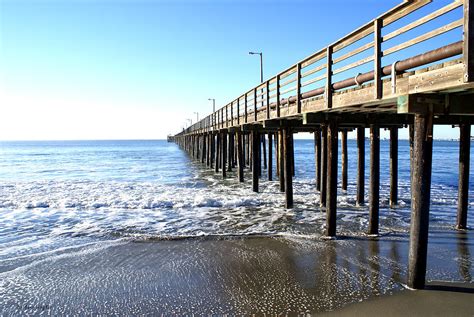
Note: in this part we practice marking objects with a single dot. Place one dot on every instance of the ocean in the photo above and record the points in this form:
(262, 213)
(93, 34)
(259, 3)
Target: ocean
(122, 202)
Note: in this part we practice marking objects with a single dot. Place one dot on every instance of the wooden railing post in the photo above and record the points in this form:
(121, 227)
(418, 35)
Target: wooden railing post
(226, 116)
(267, 84)
(328, 93)
(278, 96)
(378, 59)
(245, 107)
(468, 49)
(238, 111)
(298, 87)
(255, 104)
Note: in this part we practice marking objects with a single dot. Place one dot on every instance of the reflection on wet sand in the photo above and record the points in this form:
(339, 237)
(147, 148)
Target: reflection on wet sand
(215, 276)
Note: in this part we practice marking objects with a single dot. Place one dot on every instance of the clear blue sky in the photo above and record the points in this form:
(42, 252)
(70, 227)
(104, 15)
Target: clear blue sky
(118, 69)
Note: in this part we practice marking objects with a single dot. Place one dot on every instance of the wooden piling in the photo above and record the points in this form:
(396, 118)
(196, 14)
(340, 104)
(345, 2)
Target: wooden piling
(464, 162)
(255, 161)
(317, 157)
(324, 160)
(224, 153)
(420, 199)
(218, 146)
(344, 159)
(393, 166)
(240, 157)
(292, 154)
(270, 157)
(281, 159)
(230, 155)
(264, 147)
(374, 186)
(360, 166)
(203, 150)
(331, 191)
(277, 154)
(213, 150)
(287, 140)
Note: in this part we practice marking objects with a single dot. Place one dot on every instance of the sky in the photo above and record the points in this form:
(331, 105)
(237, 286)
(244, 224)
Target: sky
(123, 69)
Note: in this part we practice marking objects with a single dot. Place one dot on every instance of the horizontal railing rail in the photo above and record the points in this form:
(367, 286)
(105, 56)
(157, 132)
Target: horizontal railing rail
(387, 40)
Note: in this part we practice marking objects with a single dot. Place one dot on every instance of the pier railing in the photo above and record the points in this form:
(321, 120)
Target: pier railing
(384, 47)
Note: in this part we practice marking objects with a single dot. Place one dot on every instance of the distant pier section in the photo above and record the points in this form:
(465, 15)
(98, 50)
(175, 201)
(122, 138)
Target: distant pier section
(413, 66)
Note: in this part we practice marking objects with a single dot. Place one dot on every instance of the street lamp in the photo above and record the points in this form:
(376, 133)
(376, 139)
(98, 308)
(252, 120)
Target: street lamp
(197, 116)
(261, 63)
(213, 109)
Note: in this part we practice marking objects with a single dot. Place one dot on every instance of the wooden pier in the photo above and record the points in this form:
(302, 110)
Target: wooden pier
(387, 82)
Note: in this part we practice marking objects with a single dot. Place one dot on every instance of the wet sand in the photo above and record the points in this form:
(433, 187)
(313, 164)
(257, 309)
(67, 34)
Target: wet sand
(254, 275)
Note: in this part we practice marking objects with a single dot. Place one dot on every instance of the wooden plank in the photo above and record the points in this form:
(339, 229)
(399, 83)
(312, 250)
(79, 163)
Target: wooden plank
(438, 13)
(314, 80)
(353, 52)
(313, 58)
(314, 70)
(292, 80)
(424, 37)
(377, 59)
(354, 64)
(468, 48)
(402, 10)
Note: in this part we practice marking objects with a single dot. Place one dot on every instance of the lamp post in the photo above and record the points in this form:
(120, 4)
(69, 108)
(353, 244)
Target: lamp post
(261, 63)
(197, 116)
(213, 109)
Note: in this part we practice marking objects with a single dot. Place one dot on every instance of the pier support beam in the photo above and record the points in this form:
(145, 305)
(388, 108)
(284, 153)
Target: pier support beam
(203, 150)
(213, 150)
(281, 159)
(317, 158)
(287, 149)
(344, 159)
(264, 147)
(360, 166)
(324, 160)
(464, 161)
(270, 157)
(393, 166)
(420, 199)
(218, 147)
(240, 157)
(255, 159)
(230, 156)
(224, 154)
(277, 171)
(331, 192)
(374, 188)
